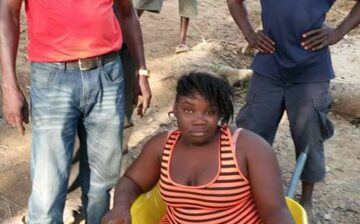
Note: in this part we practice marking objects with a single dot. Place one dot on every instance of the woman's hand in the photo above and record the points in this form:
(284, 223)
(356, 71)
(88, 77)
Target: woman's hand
(117, 215)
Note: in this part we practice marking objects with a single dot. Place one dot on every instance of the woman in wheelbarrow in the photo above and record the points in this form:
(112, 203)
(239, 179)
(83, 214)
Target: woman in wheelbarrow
(208, 172)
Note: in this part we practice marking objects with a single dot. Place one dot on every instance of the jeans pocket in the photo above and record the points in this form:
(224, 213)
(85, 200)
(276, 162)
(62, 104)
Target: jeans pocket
(322, 107)
(41, 75)
(113, 71)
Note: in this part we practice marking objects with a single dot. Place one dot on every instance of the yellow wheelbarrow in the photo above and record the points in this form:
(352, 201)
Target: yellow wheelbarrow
(149, 208)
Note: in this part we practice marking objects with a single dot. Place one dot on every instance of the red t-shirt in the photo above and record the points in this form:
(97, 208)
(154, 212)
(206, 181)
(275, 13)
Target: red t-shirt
(71, 29)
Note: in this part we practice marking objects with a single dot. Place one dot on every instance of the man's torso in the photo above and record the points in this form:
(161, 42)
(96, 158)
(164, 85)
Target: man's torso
(71, 29)
(285, 22)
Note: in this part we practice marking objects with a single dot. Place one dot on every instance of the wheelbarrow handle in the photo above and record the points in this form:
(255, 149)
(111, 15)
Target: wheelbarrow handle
(297, 173)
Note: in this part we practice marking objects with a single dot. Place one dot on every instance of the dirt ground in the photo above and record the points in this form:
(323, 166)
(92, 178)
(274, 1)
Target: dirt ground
(216, 43)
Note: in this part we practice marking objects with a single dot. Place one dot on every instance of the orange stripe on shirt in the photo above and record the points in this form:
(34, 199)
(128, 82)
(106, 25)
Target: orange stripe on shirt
(226, 199)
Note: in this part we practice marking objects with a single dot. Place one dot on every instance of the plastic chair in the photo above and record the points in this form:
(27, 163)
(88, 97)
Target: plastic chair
(149, 208)
(297, 211)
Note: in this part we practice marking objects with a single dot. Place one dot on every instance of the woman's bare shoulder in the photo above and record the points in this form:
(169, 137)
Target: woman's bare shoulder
(156, 143)
(251, 143)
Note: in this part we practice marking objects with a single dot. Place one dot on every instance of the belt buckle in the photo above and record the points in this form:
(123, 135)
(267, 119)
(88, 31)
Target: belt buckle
(87, 64)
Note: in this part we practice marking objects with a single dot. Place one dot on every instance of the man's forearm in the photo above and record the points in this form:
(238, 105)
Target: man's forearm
(130, 26)
(133, 39)
(239, 13)
(351, 21)
(9, 40)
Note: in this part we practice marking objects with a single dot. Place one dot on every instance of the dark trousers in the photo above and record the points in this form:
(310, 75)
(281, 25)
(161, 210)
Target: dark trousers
(307, 106)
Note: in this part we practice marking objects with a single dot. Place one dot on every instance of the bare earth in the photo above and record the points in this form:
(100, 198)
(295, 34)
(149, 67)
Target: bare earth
(216, 43)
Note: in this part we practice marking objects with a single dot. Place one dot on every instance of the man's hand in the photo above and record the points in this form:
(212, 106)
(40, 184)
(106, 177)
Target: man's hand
(117, 216)
(143, 96)
(261, 42)
(131, 31)
(15, 108)
(319, 38)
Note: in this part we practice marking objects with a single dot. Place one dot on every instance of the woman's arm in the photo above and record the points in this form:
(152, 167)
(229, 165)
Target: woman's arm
(140, 177)
(263, 173)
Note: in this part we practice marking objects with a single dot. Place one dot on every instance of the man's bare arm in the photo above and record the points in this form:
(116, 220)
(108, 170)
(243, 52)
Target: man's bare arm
(322, 37)
(131, 31)
(257, 39)
(351, 21)
(133, 38)
(15, 107)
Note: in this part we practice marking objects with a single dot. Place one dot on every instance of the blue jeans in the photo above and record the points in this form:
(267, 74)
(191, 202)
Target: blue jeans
(64, 102)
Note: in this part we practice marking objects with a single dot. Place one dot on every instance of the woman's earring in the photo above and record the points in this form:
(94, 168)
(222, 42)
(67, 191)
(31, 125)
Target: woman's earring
(171, 115)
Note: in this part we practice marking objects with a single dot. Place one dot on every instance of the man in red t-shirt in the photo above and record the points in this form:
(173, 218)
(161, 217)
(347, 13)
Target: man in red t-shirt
(77, 86)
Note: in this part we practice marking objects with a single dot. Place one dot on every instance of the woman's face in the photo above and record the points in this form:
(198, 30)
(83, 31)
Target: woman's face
(197, 119)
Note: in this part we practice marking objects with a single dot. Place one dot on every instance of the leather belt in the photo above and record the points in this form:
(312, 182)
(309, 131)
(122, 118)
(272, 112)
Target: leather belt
(92, 63)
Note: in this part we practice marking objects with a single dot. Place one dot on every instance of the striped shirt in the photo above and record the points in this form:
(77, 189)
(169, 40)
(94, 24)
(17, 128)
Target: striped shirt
(226, 199)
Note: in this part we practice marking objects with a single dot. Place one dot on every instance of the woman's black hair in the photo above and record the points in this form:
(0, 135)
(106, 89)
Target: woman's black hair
(215, 89)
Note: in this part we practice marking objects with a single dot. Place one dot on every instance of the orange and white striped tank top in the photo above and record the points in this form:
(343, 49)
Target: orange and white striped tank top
(226, 199)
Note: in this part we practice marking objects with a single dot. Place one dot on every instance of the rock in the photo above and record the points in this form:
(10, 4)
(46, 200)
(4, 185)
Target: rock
(327, 216)
(346, 98)
(327, 168)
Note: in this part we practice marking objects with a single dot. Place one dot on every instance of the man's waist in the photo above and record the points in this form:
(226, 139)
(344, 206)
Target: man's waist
(85, 64)
(93, 62)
